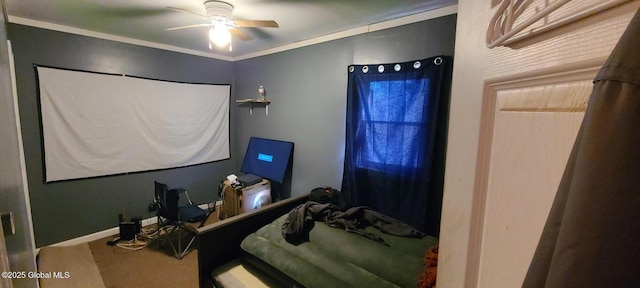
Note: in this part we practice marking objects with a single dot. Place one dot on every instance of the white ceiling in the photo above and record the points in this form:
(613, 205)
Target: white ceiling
(145, 21)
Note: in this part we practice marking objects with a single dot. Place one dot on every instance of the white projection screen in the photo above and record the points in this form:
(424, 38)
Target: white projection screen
(97, 124)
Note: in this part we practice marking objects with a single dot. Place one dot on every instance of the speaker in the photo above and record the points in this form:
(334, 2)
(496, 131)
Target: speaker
(129, 229)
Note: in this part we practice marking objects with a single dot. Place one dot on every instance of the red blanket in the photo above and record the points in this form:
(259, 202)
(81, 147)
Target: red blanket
(428, 277)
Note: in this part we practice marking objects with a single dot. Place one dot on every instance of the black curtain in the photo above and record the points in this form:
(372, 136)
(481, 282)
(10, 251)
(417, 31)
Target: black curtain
(396, 137)
(592, 235)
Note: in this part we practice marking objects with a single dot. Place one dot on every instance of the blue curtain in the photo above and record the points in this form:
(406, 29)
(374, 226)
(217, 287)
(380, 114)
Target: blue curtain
(395, 139)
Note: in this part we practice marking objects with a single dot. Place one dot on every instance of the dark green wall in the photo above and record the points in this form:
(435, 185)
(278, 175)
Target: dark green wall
(307, 86)
(69, 209)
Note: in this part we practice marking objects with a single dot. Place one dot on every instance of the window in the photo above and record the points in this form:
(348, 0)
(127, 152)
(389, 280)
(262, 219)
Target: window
(395, 139)
(392, 120)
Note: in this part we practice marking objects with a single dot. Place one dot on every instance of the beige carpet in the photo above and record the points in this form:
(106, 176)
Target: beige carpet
(75, 262)
(152, 266)
(149, 267)
(96, 264)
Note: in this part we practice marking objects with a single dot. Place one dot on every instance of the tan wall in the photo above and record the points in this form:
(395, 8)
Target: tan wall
(514, 114)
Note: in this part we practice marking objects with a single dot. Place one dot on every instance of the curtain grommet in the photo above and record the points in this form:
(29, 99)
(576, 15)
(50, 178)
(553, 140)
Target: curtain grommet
(380, 68)
(365, 69)
(416, 65)
(351, 69)
(397, 67)
(438, 61)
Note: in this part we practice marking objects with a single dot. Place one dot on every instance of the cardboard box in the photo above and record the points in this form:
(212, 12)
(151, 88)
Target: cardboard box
(244, 199)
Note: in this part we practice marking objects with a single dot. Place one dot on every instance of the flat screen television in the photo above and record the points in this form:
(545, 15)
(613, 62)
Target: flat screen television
(267, 158)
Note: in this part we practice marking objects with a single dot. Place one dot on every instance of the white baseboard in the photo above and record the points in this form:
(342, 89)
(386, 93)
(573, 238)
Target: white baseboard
(100, 234)
(115, 230)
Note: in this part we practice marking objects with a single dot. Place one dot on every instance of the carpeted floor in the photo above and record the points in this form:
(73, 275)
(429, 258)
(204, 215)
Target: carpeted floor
(71, 266)
(149, 267)
(96, 264)
(152, 266)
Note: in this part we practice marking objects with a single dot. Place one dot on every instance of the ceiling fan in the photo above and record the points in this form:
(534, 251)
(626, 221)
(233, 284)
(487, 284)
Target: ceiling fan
(220, 23)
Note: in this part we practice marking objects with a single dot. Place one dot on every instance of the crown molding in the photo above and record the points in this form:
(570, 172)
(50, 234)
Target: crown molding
(432, 14)
(436, 13)
(105, 36)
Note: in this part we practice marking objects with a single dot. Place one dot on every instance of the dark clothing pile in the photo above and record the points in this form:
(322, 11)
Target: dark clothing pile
(325, 195)
(301, 219)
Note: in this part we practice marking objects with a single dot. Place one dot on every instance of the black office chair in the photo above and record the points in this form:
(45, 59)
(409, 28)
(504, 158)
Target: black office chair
(172, 217)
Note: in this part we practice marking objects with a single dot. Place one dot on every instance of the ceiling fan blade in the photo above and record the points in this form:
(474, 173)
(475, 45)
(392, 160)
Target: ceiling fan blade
(126, 12)
(187, 11)
(256, 23)
(188, 26)
(240, 34)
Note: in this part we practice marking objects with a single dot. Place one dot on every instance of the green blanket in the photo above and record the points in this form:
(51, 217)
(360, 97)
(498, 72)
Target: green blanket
(336, 258)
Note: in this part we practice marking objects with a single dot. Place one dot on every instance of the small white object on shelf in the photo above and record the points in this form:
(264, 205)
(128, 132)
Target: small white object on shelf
(262, 93)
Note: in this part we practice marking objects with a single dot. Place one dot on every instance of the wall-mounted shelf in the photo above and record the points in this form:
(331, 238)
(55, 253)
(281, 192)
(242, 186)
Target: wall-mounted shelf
(255, 101)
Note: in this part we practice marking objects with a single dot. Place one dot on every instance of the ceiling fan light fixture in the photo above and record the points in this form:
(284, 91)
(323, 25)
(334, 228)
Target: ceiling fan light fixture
(218, 9)
(220, 24)
(220, 35)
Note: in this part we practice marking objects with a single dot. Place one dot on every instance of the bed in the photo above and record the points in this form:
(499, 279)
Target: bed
(333, 257)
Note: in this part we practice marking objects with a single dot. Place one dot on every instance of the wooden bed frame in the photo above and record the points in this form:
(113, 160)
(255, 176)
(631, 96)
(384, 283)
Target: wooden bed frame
(219, 242)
